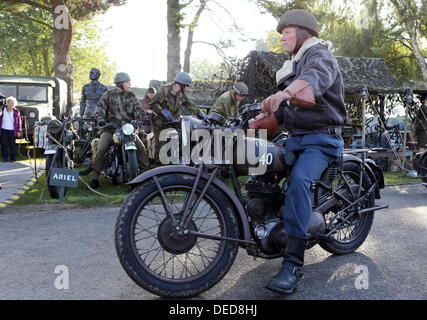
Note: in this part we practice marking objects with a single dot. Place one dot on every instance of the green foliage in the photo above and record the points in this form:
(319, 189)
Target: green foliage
(87, 52)
(374, 31)
(27, 48)
(203, 69)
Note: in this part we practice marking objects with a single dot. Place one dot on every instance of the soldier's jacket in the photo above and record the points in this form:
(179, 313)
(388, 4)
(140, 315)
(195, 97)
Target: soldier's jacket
(176, 102)
(118, 107)
(421, 120)
(225, 105)
(91, 93)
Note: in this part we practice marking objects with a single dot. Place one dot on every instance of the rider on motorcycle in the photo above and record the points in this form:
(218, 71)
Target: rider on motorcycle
(171, 97)
(311, 107)
(118, 106)
(226, 105)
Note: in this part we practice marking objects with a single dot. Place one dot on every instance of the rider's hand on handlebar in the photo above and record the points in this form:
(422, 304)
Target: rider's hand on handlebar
(272, 103)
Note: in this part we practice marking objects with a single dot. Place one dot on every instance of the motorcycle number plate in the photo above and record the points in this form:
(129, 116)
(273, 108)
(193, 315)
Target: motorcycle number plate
(130, 146)
(51, 150)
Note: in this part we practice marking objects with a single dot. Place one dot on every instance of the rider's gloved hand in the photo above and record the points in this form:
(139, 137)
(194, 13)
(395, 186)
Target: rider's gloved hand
(265, 121)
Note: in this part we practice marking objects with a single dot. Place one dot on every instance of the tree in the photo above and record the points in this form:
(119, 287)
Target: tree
(176, 19)
(63, 14)
(190, 36)
(413, 17)
(369, 32)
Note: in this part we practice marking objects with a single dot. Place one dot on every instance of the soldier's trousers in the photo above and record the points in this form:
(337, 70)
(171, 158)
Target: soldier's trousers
(105, 143)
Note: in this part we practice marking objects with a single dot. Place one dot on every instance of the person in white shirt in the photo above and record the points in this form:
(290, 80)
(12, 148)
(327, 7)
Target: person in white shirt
(10, 125)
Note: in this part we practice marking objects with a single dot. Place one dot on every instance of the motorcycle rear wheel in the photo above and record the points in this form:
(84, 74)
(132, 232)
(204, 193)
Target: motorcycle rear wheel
(163, 263)
(351, 235)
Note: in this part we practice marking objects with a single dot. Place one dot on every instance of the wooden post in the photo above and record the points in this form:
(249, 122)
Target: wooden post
(364, 94)
(408, 101)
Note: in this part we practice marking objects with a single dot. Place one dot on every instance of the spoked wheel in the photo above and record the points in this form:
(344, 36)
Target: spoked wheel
(352, 227)
(168, 261)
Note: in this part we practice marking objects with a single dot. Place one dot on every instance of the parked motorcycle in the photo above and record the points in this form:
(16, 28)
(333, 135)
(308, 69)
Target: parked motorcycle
(86, 134)
(55, 155)
(420, 165)
(121, 163)
(180, 228)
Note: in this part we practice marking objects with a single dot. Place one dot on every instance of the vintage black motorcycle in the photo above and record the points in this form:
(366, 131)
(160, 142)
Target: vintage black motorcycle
(179, 230)
(59, 150)
(121, 163)
(83, 145)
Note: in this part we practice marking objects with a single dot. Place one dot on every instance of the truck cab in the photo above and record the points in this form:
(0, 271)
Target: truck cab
(38, 98)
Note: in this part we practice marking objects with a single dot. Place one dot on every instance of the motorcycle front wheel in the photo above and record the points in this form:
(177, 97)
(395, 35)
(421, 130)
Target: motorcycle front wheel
(131, 165)
(159, 260)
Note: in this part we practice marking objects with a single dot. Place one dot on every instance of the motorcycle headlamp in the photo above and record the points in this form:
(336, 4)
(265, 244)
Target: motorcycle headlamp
(128, 129)
(32, 115)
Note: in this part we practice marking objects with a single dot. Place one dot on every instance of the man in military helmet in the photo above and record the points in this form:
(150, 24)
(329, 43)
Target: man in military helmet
(171, 97)
(226, 105)
(310, 104)
(118, 106)
(91, 93)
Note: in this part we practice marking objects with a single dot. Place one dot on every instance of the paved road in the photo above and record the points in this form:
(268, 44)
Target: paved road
(33, 245)
(13, 176)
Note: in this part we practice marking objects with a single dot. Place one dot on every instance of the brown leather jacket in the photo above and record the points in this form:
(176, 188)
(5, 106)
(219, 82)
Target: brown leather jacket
(319, 67)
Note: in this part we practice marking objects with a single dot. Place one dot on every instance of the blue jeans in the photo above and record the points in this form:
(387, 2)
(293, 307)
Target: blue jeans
(315, 153)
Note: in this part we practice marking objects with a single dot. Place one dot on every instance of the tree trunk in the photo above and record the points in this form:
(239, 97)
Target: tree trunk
(62, 66)
(174, 39)
(418, 55)
(187, 56)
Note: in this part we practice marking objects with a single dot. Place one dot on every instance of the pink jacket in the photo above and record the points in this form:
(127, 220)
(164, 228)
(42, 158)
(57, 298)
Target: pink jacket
(17, 121)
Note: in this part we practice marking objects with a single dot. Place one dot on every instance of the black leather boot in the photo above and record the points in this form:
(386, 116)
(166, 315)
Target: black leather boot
(286, 280)
(94, 184)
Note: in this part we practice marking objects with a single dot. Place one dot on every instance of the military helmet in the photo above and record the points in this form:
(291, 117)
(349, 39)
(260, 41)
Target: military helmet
(183, 78)
(299, 18)
(121, 77)
(241, 89)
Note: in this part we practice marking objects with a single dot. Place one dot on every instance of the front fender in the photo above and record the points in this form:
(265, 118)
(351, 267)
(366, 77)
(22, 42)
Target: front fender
(374, 172)
(179, 169)
(51, 149)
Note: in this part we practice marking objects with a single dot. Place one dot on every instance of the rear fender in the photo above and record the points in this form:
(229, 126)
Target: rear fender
(374, 172)
(179, 169)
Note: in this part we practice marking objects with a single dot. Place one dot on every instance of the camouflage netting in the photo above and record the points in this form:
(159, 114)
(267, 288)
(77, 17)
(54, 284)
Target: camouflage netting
(260, 68)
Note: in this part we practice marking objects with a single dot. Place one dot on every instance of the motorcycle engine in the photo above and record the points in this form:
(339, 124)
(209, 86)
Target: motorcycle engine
(265, 197)
(265, 208)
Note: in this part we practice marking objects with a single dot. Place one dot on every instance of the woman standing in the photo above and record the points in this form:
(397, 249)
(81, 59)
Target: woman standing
(10, 125)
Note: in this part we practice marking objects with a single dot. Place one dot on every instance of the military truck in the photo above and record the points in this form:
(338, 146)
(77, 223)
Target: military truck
(38, 97)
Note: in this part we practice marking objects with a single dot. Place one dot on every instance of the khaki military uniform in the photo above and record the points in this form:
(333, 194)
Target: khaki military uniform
(117, 107)
(421, 127)
(177, 103)
(226, 105)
